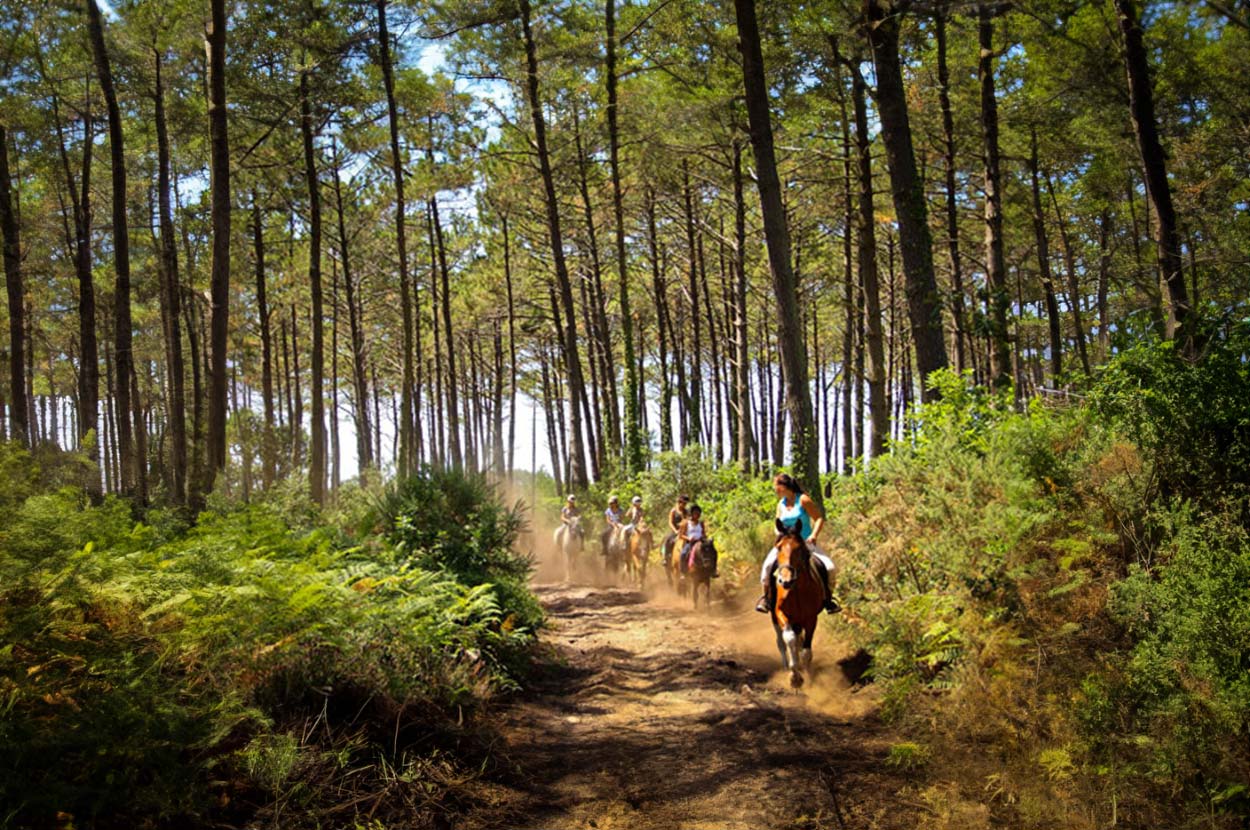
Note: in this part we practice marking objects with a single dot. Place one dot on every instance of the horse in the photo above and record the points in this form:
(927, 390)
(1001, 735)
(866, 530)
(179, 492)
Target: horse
(615, 551)
(698, 574)
(570, 539)
(640, 543)
(799, 599)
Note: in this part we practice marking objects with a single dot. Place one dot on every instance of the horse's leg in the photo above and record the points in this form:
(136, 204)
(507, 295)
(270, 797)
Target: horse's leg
(781, 645)
(805, 654)
(791, 638)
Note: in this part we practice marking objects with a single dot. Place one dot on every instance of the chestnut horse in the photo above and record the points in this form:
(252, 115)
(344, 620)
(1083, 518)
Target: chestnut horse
(640, 544)
(799, 601)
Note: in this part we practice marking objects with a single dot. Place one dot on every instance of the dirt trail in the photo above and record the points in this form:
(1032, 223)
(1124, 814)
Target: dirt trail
(650, 715)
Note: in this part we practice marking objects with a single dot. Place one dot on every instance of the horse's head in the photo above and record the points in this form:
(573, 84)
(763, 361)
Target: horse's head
(793, 557)
(575, 525)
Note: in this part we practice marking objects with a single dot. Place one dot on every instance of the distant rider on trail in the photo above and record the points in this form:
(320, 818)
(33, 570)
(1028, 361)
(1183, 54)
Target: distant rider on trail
(615, 520)
(676, 515)
(794, 507)
(570, 511)
(633, 517)
(694, 530)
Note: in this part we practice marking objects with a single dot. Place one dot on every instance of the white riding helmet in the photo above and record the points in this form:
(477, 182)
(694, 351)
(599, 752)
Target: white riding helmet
(636, 500)
(571, 498)
(614, 500)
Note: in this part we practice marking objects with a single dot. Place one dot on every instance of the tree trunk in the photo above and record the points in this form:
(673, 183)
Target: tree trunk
(297, 396)
(1154, 163)
(742, 347)
(88, 350)
(553, 443)
(1104, 276)
(19, 423)
(336, 454)
(453, 415)
(316, 392)
(923, 301)
(267, 446)
(576, 384)
(1074, 287)
(633, 429)
(662, 326)
(437, 403)
(866, 234)
(597, 320)
(364, 453)
(1043, 265)
(995, 264)
(219, 164)
(512, 362)
(406, 426)
(695, 386)
(952, 197)
(499, 457)
(121, 253)
(805, 450)
(171, 300)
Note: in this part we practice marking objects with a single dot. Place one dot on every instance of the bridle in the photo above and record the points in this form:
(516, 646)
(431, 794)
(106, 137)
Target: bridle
(788, 574)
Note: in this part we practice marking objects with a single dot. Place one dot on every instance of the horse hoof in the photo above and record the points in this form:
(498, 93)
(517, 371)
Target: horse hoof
(796, 680)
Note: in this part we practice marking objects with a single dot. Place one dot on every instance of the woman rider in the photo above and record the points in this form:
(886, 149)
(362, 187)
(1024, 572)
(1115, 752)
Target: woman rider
(693, 530)
(676, 515)
(794, 507)
(568, 514)
(633, 517)
(614, 519)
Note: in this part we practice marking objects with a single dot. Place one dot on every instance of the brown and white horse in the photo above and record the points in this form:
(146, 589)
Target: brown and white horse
(799, 601)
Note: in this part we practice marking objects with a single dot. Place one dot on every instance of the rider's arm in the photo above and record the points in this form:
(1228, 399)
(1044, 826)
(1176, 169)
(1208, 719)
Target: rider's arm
(817, 516)
(681, 531)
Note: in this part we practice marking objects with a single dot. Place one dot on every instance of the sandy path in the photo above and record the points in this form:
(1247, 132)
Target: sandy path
(652, 716)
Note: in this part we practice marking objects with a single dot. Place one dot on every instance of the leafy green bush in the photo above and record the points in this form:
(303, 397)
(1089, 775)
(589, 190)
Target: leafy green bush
(1177, 704)
(150, 674)
(456, 523)
(1191, 418)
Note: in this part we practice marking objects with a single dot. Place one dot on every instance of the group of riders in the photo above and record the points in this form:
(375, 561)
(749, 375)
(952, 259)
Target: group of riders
(796, 512)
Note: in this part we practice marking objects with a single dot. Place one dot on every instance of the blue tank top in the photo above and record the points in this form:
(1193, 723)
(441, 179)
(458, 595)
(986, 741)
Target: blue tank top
(793, 514)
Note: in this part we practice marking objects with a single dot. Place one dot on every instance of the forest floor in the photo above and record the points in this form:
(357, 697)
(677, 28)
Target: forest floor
(646, 714)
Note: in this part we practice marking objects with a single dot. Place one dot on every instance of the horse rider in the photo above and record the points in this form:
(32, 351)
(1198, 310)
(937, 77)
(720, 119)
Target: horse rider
(676, 515)
(633, 516)
(797, 509)
(693, 529)
(568, 513)
(615, 520)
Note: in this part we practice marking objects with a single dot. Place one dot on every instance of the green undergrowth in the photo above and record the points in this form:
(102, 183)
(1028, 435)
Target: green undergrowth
(261, 667)
(1057, 601)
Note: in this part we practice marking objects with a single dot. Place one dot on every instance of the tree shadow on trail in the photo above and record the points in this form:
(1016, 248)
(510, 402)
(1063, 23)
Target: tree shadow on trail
(633, 716)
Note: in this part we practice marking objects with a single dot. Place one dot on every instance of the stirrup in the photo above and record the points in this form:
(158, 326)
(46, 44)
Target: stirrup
(762, 605)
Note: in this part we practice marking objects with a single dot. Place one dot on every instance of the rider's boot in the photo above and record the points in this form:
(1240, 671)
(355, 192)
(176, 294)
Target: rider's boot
(831, 605)
(765, 603)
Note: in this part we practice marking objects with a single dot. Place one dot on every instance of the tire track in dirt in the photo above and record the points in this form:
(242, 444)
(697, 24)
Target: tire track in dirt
(649, 715)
